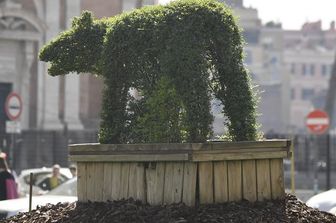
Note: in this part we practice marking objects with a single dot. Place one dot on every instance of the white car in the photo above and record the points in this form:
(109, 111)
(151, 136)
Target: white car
(325, 201)
(38, 175)
(66, 192)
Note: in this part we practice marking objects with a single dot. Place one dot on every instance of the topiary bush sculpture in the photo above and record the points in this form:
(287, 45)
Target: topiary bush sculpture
(177, 57)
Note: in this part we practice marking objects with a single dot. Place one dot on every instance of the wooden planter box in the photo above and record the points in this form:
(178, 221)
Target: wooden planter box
(191, 173)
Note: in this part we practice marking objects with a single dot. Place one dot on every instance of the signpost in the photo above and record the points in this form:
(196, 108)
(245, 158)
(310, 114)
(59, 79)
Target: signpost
(318, 123)
(13, 109)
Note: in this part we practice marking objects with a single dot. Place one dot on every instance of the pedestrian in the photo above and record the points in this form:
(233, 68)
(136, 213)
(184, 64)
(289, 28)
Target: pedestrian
(73, 170)
(8, 188)
(52, 180)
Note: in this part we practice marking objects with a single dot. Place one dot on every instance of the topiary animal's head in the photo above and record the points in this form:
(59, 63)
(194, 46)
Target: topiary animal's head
(77, 49)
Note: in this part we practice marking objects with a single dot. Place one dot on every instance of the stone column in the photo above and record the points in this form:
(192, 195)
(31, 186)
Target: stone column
(49, 86)
(72, 82)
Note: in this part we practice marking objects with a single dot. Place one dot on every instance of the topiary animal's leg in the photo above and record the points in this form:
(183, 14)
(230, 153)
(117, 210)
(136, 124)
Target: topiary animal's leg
(113, 112)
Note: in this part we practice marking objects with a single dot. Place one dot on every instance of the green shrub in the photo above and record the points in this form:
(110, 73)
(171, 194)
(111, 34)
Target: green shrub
(178, 57)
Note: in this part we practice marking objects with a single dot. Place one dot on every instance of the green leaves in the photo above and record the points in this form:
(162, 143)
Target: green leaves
(177, 57)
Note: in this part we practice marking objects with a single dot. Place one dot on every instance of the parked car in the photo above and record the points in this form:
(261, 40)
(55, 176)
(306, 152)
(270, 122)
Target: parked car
(325, 201)
(67, 192)
(38, 175)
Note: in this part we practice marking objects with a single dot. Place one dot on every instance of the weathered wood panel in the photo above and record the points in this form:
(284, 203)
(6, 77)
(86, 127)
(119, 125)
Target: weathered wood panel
(125, 168)
(116, 181)
(155, 183)
(249, 180)
(99, 179)
(201, 157)
(189, 183)
(205, 175)
(136, 181)
(129, 158)
(173, 182)
(81, 181)
(107, 183)
(221, 182)
(277, 178)
(157, 147)
(263, 180)
(235, 180)
(90, 181)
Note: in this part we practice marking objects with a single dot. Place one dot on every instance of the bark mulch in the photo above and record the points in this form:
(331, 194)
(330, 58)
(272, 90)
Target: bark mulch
(288, 209)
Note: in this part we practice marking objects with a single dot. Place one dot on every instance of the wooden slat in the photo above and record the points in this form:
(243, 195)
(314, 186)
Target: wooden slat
(178, 146)
(221, 181)
(125, 168)
(141, 183)
(277, 178)
(132, 187)
(107, 188)
(99, 179)
(249, 180)
(189, 183)
(263, 180)
(235, 180)
(90, 181)
(173, 182)
(81, 181)
(155, 183)
(238, 156)
(116, 181)
(129, 158)
(246, 150)
(136, 188)
(205, 173)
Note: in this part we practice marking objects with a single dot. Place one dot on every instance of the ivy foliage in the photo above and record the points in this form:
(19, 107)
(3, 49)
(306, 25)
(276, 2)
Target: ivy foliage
(177, 57)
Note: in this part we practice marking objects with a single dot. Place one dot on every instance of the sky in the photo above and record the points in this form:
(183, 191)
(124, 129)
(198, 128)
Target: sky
(293, 13)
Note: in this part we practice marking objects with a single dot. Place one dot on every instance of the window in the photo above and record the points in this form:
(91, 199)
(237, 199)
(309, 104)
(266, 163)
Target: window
(307, 94)
(312, 69)
(304, 69)
(292, 69)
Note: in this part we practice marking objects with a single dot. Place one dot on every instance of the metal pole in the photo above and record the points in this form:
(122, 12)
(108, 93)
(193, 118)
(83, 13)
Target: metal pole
(30, 191)
(292, 167)
(328, 162)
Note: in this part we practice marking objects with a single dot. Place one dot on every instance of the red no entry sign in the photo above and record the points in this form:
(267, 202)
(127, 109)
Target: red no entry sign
(13, 106)
(317, 122)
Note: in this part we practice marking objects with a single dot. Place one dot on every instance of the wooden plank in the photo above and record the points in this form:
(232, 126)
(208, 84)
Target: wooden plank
(81, 181)
(238, 156)
(155, 183)
(246, 150)
(136, 181)
(249, 180)
(90, 181)
(277, 178)
(99, 181)
(178, 146)
(107, 183)
(189, 183)
(130, 158)
(221, 181)
(173, 183)
(263, 180)
(205, 174)
(235, 180)
(125, 168)
(141, 183)
(132, 187)
(116, 181)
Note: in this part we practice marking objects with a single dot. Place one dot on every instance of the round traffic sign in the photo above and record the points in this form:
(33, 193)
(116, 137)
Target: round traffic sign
(317, 122)
(13, 106)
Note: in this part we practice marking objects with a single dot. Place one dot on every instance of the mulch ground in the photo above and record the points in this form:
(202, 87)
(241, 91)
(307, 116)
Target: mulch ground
(287, 210)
